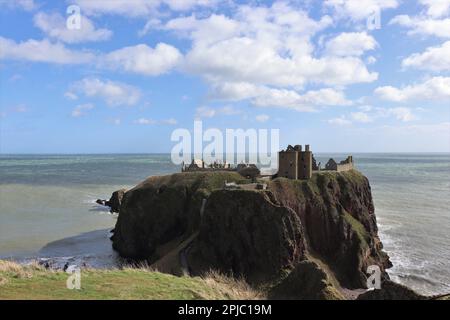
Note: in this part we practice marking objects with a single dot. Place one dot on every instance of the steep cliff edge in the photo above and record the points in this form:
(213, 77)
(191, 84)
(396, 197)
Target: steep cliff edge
(163, 208)
(260, 235)
(337, 212)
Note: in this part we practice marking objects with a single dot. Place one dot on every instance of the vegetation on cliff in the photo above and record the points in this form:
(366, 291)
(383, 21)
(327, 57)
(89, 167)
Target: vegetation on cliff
(298, 239)
(189, 224)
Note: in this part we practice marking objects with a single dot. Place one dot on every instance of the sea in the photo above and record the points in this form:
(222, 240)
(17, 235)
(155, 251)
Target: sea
(48, 210)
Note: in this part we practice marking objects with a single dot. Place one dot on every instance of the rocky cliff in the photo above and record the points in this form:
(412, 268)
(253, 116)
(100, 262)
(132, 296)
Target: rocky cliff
(323, 229)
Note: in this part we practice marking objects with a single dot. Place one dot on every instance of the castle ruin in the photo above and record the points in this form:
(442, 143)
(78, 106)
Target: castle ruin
(294, 163)
(344, 165)
(246, 170)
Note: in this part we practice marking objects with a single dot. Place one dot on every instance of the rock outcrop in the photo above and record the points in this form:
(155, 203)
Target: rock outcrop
(116, 200)
(163, 208)
(264, 236)
(306, 282)
(248, 234)
(337, 212)
(391, 291)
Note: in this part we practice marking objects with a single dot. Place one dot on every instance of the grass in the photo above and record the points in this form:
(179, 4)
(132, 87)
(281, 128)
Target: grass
(35, 283)
(358, 228)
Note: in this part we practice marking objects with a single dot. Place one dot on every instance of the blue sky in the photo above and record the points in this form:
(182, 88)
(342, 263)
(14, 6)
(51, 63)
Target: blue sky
(137, 70)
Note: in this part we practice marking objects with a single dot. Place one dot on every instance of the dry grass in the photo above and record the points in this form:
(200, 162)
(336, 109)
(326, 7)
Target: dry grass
(16, 270)
(235, 289)
(140, 281)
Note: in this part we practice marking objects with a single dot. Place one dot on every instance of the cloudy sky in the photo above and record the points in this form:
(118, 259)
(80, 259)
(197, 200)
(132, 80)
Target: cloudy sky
(323, 72)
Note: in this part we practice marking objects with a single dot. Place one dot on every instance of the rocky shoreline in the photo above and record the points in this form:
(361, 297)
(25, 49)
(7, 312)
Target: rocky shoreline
(304, 239)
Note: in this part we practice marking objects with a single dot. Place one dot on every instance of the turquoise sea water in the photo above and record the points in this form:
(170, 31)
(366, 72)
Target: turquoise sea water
(47, 207)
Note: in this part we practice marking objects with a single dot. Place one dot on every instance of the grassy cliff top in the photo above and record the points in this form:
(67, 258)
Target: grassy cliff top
(34, 282)
(199, 180)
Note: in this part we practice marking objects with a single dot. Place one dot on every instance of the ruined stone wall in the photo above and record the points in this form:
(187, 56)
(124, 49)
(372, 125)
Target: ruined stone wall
(344, 167)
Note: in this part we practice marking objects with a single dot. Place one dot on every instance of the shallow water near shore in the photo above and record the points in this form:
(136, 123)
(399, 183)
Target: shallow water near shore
(48, 210)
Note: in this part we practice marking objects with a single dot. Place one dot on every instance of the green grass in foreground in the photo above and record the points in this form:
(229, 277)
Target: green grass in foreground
(33, 282)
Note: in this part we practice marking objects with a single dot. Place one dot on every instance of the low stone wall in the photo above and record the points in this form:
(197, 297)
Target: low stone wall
(344, 167)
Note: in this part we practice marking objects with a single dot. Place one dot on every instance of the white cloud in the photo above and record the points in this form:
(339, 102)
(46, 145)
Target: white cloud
(208, 112)
(153, 23)
(262, 118)
(402, 114)
(145, 121)
(42, 51)
(350, 44)
(434, 132)
(54, 26)
(358, 10)
(27, 5)
(114, 93)
(170, 121)
(437, 8)
(371, 60)
(369, 114)
(148, 121)
(116, 121)
(205, 112)
(81, 109)
(263, 96)
(268, 46)
(70, 95)
(433, 59)
(424, 26)
(434, 21)
(305, 102)
(361, 117)
(138, 8)
(341, 121)
(132, 8)
(143, 59)
(437, 88)
(182, 5)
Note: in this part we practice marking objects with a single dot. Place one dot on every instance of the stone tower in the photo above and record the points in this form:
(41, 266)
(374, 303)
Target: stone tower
(294, 163)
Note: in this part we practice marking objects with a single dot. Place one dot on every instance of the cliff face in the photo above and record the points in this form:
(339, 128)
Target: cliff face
(260, 235)
(340, 224)
(248, 234)
(161, 209)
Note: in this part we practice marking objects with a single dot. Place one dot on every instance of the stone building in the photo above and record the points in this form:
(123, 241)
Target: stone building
(294, 163)
(344, 165)
(249, 171)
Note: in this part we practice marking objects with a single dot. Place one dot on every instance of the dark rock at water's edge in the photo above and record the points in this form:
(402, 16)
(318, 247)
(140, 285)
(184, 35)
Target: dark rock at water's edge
(102, 202)
(299, 239)
(114, 202)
